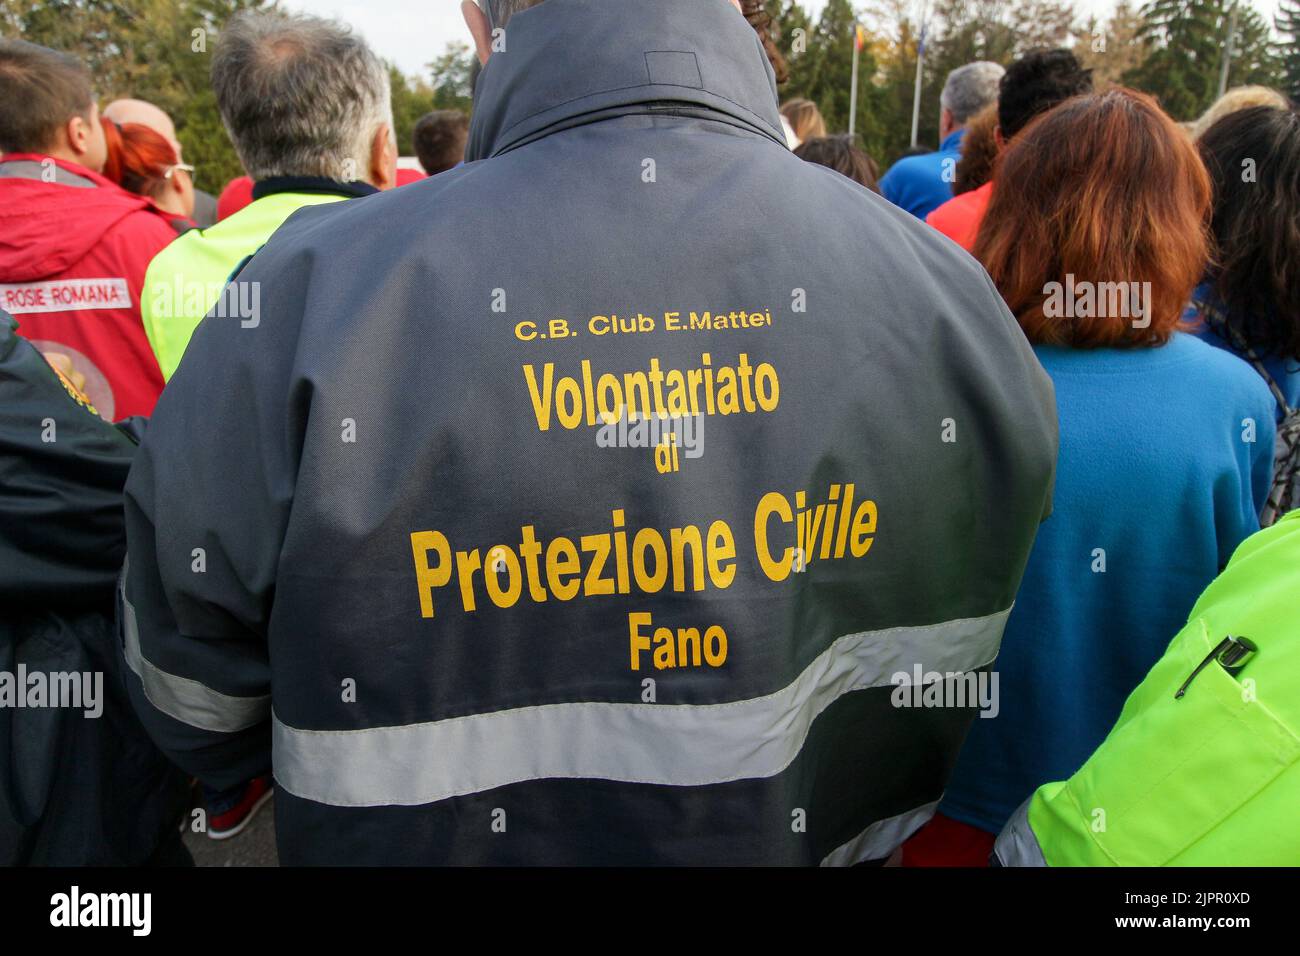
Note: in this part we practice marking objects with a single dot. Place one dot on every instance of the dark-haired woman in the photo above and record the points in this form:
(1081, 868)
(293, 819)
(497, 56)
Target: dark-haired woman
(842, 154)
(1095, 236)
(1249, 302)
(1251, 294)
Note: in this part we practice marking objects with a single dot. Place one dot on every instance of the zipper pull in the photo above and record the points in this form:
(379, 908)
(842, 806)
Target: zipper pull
(1232, 653)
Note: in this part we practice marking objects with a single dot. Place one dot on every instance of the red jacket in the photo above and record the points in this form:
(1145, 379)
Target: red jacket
(960, 217)
(72, 258)
(237, 194)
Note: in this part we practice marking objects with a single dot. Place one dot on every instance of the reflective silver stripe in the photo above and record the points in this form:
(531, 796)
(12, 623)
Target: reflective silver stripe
(1016, 844)
(686, 745)
(882, 838)
(187, 700)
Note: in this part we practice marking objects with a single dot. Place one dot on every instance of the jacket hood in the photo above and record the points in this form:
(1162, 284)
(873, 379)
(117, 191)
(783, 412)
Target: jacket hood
(47, 227)
(572, 62)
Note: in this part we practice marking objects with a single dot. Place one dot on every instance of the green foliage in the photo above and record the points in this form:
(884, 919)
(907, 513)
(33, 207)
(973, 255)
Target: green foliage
(155, 50)
(1287, 23)
(891, 124)
(447, 88)
(832, 67)
(412, 98)
(158, 50)
(1185, 41)
(452, 77)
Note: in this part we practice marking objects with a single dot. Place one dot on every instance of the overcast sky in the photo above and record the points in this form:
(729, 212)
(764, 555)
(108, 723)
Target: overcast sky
(413, 32)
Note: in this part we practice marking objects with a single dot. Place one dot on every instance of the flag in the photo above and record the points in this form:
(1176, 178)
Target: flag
(859, 36)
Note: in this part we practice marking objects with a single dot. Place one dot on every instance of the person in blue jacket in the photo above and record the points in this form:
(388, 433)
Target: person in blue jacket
(1094, 238)
(920, 184)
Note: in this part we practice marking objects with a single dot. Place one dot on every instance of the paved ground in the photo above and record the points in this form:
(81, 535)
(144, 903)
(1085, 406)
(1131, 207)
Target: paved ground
(254, 847)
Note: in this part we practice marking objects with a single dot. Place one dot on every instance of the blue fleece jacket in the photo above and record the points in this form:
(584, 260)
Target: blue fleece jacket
(918, 183)
(1155, 487)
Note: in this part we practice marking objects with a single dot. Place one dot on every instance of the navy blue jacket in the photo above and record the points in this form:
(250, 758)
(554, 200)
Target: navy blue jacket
(81, 784)
(386, 543)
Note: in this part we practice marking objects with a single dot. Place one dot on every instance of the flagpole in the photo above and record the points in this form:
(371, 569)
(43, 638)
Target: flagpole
(853, 88)
(1226, 61)
(916, 91)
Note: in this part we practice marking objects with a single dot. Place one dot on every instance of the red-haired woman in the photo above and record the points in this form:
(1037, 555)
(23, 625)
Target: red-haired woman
(1095, 236)
(141, 161)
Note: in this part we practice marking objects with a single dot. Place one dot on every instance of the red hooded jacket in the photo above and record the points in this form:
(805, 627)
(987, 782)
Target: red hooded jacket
(73, 253)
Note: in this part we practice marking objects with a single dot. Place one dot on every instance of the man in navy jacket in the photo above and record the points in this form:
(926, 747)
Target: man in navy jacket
(81, 784)
(592, 502)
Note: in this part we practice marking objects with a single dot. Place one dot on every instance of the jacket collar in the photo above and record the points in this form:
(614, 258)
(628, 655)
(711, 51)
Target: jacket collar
(952, 142)
(34, 166)
(310, 184)
(572, 62)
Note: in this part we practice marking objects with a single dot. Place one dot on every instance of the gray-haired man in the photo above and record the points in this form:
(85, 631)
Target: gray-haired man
(922, 183)
(308, 107)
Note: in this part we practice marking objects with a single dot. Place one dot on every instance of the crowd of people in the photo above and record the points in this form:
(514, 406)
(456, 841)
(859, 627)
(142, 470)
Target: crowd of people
(1017, 418)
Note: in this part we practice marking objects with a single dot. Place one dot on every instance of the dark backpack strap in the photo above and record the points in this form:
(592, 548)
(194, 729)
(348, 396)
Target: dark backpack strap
(1218, 322)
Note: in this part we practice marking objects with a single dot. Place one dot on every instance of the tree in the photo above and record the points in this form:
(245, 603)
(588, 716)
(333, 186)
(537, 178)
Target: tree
(1287, 23)
(156, 50)
(897, 40)
(452, 75)
(1113, 48)
(791, 32)
(1185, 41)
(1255, 58)
(412, 98)
(831, 43)
(449, 87)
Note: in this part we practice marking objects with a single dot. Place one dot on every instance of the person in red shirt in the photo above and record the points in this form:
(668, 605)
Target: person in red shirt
(237, 194)
(960, 217)
(1031, 86)
(408, 176)
(73, 245)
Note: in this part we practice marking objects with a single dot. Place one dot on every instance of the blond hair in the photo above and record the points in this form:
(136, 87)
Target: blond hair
(1238, 98)
(805, 119)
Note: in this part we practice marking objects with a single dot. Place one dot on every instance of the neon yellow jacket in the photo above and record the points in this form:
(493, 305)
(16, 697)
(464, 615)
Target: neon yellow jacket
(1209, 779)
(185, 280)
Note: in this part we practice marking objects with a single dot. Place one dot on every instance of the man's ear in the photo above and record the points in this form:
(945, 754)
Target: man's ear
(478, 29)
(383, 158)
(999, 138)
(77, 132)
